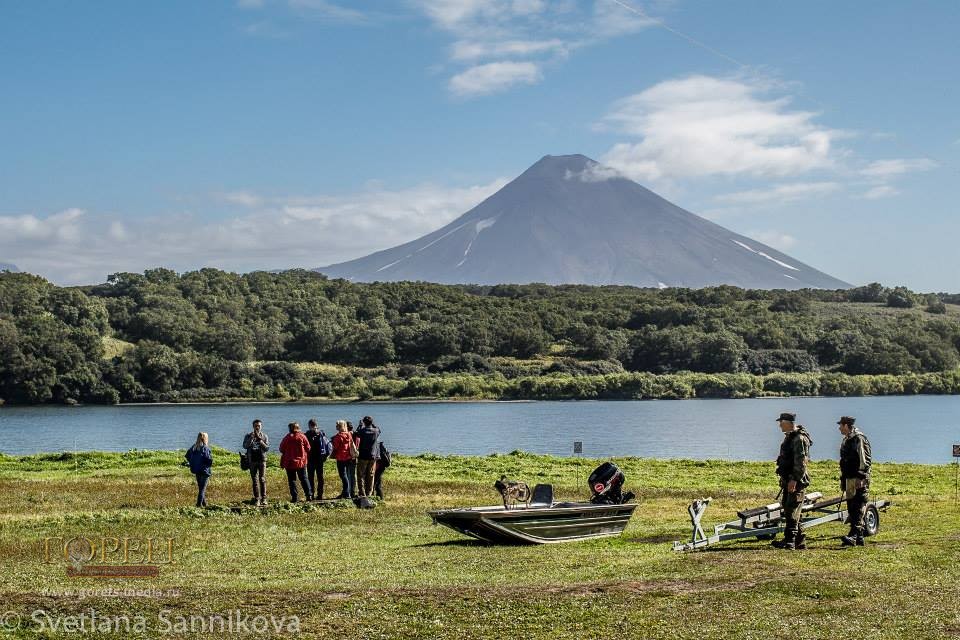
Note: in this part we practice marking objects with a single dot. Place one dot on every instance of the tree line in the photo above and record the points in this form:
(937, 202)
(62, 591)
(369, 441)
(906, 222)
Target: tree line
(209, 334)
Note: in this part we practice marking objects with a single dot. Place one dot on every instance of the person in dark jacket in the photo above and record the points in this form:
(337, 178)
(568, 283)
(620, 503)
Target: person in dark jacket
(383, 461)
(256, 445)
(792, 467)
(318, 455)
(346, 464)
(201, 462)
(294, 452)
(368, 438)
(855, 462)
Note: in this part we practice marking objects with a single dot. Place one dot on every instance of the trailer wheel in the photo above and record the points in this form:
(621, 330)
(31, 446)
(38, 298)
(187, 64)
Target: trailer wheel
(871, 521)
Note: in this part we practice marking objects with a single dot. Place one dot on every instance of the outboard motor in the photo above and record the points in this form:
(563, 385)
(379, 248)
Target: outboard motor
(606, 484)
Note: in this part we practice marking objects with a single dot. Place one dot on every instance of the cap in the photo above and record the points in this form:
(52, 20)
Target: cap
(791, 417)
(848, 420)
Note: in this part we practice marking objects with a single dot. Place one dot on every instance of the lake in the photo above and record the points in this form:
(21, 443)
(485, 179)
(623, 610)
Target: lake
(901, 428)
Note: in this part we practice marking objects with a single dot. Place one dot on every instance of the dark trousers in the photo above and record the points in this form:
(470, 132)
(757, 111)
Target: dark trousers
(856, 505)
(298, 474)
(348, 473)
(378, 479)
(365, 473)
(202, 480)
(792, 511)
(258, 470)
(315, 476)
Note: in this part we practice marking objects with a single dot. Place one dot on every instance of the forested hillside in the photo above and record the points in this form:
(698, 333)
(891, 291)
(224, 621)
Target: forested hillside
(214, 335)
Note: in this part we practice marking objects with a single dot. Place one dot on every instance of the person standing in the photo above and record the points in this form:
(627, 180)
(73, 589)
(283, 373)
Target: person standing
(383, 461)
(368, 439)
(200, 460)
(294, 450)
(855, 463)
(793, 470)
(319, 452)
(343, 448)
(256, 443)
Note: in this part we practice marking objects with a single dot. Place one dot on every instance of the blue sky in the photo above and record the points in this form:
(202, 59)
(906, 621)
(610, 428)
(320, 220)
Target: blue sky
(281, 133)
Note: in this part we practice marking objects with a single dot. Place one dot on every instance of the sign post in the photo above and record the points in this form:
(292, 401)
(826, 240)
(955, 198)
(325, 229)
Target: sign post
(578, 451)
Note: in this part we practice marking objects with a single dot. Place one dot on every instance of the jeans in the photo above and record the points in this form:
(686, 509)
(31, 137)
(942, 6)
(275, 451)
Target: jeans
(298, 474)
(202, 479)
(365, 477)
(315, 475)
(347, 472)
(258, 470)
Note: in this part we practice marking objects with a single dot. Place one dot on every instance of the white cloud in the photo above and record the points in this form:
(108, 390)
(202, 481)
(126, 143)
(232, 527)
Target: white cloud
(886, 169)
(779, 193)
(492, 77)
(775, 239)
(706, 126)
(530, 32)
(25, 228)
(73, 247)
(468, 50)
(327, 10)
(881, 191)
(242, 198)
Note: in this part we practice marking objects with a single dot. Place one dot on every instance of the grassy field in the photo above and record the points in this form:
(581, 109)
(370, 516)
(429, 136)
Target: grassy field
(387, 573)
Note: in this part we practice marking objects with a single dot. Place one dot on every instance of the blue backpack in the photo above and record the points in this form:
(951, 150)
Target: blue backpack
(326, 447)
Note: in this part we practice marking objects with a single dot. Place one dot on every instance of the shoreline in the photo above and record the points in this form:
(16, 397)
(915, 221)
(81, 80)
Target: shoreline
(416, 401)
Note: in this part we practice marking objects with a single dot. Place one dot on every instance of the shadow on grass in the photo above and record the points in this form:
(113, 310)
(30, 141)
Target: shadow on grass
(453, 543)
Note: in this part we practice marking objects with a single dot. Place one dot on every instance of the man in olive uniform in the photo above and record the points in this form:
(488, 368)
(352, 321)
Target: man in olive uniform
(792, 465)
(855, 462)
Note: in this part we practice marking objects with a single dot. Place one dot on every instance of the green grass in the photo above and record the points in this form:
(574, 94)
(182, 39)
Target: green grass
(388, 573)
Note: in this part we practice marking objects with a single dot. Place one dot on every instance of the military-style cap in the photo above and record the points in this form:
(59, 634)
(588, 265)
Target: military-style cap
(848, 420)
(792, 417)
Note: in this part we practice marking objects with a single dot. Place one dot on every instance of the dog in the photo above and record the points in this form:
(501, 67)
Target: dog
(512, 492)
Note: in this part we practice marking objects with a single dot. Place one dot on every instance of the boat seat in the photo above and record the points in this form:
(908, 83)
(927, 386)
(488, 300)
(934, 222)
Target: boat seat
(542, 496)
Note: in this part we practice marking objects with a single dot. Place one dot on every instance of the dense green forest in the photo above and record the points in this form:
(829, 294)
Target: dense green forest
(212, 335)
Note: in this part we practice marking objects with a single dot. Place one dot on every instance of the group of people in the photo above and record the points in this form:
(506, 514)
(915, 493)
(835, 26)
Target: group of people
(793, 469)
(360, 455)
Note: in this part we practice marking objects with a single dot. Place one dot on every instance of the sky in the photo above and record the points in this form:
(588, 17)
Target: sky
(269, 134)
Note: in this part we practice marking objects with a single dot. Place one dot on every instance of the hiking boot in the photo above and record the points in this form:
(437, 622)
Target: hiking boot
(789, 542)
(848, 541)
(801, 541)
(263, 502)
(860, 542)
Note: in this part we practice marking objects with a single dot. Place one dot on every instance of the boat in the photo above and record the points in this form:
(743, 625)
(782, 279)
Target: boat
(535, 518)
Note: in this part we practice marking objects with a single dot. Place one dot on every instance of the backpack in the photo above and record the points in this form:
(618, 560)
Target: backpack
(325, 446)
(354, 452)
(244, 461)
(384, 455)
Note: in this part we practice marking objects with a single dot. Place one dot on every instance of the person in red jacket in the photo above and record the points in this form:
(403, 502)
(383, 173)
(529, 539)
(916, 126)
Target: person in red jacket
(344, 447)
(294, 449)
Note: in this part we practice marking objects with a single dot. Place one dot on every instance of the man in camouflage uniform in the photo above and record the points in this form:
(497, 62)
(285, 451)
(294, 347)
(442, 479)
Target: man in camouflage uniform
(792, 467)
(855, 462)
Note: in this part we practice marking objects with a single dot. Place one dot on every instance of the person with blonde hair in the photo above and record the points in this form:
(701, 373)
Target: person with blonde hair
(345, 453)
(200, 460)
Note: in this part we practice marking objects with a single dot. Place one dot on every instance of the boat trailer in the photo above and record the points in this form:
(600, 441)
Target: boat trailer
(764, 523)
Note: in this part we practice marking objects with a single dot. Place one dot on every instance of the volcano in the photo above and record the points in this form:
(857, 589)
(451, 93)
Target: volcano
(570, 220)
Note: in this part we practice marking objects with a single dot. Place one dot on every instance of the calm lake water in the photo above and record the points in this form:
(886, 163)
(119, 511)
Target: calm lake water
(902, 429)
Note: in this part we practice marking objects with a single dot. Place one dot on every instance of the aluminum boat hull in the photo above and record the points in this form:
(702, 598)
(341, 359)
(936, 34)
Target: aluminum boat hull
(559, 522)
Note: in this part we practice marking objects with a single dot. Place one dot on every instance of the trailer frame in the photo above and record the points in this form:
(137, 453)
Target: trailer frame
(767, 521)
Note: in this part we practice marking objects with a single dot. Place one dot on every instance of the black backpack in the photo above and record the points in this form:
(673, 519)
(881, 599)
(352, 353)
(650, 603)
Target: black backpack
(384, 455)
